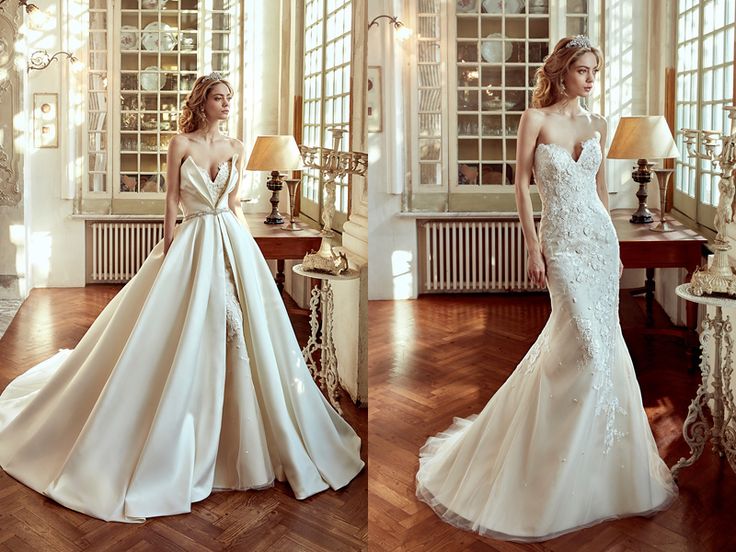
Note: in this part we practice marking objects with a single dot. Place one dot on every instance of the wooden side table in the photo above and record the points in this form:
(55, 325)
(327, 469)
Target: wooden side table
(276, 243)
(321, 311)
(642, 248)
(720, 401)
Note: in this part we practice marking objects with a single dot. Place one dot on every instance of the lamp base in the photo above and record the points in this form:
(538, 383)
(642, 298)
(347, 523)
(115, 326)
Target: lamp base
(642, 175)
(275, 184)
(642, 216)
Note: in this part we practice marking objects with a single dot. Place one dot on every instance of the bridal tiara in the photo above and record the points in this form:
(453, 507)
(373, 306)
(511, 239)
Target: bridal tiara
(579, 41)
(214, 76)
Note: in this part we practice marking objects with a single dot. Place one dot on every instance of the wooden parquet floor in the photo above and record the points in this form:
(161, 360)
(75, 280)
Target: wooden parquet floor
(271, 519)
(444, 356)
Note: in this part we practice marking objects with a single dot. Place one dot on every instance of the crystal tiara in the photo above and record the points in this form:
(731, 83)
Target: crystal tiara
(579, 41)
(215, 76)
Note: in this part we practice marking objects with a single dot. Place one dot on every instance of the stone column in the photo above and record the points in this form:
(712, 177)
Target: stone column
(14, 277)
(351, 298)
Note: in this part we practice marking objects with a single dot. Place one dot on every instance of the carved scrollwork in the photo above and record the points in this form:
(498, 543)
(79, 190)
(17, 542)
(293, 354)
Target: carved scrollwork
(10, 193)
(9, 189)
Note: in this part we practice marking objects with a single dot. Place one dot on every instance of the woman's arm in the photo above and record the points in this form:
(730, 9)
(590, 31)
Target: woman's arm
(529, 126)
(601, 187)
(174, 157)
(233, 198)
(600, 178)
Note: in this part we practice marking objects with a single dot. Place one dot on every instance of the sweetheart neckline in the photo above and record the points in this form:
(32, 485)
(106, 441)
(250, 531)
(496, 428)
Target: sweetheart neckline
(582, 149)
(219, 166)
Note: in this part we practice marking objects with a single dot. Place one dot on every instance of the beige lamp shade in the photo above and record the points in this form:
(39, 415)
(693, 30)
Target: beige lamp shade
(275, 153)
(642, 138)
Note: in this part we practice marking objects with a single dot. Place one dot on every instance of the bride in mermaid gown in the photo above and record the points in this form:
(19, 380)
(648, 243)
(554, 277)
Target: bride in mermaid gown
(191, 379)
(565, 442)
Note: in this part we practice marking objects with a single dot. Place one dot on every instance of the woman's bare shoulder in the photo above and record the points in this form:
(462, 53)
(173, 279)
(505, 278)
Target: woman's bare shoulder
(179, 143)
(237, 146)
(534, 113)
(599, 123)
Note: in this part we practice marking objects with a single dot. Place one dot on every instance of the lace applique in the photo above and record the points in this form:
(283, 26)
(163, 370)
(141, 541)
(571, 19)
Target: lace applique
(585, 334)
(581, 251)
(216, 186)
(233, 314)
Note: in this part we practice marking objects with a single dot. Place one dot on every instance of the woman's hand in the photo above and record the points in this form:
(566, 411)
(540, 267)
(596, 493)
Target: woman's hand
(536, 269)
(620, 268)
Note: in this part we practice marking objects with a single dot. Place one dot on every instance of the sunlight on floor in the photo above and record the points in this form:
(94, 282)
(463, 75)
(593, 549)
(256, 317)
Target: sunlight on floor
(40, 252)
(403, 278)
(17, 238)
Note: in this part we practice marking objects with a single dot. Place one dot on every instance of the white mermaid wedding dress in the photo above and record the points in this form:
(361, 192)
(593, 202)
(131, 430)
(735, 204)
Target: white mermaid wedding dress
(190, 380)
(565, 442)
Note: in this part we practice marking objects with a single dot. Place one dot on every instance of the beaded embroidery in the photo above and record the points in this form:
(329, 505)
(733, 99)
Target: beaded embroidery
(581, 252)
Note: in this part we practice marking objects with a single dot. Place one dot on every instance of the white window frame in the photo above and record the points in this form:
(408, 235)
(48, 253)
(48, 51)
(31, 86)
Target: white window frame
(694, 178)
(331, 61)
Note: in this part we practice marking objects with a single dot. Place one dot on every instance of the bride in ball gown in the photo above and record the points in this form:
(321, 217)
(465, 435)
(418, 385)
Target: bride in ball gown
(191, 379)
(565, 442)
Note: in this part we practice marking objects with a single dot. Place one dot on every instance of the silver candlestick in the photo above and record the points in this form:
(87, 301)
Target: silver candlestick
(333, 164)
(293, 185)
(663, 176)
(719, 277)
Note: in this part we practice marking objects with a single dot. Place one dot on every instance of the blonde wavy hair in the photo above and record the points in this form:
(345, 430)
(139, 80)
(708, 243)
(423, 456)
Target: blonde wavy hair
(549, 85)
(192, 114)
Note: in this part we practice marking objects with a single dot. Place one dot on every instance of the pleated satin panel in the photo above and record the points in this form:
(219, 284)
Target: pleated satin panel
(151, 411)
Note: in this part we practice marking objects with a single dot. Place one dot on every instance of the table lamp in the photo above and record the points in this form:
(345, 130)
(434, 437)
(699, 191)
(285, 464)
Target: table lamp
(275, 153)
(644, 138)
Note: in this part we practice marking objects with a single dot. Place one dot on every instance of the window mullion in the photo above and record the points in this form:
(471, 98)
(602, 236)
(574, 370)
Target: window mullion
(699, 113)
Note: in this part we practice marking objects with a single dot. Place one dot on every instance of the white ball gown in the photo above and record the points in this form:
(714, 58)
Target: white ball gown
(190, 380)
(565, 442)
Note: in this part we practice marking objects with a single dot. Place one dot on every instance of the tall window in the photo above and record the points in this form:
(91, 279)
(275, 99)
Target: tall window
(704, 85)
(326, 104)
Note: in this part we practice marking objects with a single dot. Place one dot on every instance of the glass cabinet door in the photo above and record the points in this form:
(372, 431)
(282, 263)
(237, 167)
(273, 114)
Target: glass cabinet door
(473, 78)
(499, 45)
(156, 50)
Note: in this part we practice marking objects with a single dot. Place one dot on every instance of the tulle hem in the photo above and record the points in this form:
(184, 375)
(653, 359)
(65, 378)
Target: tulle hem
(433, 444)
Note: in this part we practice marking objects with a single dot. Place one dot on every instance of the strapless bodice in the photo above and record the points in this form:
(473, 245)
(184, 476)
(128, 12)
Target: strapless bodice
(571, 208)
(198, 193)
(563, 179)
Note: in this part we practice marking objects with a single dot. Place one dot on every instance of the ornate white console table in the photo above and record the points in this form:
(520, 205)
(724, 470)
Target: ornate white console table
(720, 399)
(321, 311)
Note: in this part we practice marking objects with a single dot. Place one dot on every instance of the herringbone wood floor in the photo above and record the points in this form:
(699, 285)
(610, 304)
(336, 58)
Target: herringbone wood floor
(272, 519)
(444, 356)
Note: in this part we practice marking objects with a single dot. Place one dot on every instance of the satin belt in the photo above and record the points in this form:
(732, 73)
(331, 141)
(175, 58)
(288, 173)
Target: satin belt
(205, 212)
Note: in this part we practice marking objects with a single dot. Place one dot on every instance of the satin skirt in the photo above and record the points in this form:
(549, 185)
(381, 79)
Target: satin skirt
(154, 409)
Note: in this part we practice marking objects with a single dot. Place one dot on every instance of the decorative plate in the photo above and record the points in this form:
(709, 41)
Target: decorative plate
(495, 51)
(153, 4)
(159, 37)
(152, 79)
(497, 6)
(129, 39)
(466, 6)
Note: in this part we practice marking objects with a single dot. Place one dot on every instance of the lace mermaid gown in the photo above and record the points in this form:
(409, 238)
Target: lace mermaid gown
(190, 380)
(565, 442)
